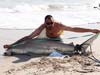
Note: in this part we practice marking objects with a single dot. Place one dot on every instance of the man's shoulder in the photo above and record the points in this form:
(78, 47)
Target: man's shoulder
(42, 26)
(59, 23)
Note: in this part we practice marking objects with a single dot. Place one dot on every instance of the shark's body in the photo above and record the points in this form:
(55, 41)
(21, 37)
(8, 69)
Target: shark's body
(46, 46)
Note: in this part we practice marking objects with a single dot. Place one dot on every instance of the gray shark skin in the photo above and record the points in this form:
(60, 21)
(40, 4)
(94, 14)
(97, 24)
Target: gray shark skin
(46, 46)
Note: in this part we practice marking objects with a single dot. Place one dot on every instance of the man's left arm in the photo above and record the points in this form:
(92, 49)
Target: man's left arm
(77, 29)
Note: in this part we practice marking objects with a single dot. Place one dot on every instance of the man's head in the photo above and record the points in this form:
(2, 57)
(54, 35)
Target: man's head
(49, 19)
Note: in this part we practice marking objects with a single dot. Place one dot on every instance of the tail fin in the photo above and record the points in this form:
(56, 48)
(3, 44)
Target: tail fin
(88, 42)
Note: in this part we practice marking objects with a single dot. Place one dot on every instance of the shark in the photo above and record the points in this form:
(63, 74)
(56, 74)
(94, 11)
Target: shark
(45, 46)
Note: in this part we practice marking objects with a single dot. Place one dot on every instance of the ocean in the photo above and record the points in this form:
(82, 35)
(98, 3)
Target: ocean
(29, 14)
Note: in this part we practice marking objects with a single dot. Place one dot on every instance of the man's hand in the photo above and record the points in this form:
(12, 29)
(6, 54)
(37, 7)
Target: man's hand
(21, 40)
(95, 31)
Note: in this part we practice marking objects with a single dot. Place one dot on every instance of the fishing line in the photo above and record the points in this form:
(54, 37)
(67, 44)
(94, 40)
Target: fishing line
(94, 58)
(91, 50)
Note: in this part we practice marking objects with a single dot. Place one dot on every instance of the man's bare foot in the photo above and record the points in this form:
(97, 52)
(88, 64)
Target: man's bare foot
(7, 46)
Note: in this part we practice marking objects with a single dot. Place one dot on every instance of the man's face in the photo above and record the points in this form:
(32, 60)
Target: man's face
(49, 22)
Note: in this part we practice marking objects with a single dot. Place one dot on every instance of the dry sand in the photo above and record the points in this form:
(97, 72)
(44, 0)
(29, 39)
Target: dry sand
(30, 65)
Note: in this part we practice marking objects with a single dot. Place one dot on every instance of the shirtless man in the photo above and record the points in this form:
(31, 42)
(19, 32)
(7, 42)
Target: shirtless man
(53, 30)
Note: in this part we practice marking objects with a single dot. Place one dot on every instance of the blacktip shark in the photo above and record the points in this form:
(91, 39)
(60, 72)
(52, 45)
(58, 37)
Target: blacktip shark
(47, 46)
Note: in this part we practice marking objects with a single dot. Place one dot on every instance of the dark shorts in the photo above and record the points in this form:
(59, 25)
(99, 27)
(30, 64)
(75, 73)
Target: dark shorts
(58, 39)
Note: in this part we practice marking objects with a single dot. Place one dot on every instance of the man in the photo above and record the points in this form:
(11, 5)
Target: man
(53, 30)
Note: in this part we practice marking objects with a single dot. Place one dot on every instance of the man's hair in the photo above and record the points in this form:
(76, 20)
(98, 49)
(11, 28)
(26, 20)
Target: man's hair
(48, 16)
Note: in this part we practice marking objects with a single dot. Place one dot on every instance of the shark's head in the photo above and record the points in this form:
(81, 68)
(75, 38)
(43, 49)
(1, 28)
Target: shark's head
(8, 52)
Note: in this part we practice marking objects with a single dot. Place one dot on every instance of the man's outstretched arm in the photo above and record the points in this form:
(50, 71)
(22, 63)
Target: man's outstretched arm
(77, 29)
(32, 35)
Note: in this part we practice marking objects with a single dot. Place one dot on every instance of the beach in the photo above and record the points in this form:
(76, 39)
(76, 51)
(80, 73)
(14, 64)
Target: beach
(44, 65)
(19, 18)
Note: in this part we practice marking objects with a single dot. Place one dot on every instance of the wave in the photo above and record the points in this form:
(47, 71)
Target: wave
(26, 16)
(44, 8)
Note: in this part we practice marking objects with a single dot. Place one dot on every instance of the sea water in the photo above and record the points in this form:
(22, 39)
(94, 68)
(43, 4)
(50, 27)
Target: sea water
(29, 14)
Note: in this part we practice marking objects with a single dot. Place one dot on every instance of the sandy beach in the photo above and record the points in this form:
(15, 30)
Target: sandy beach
(44, 65)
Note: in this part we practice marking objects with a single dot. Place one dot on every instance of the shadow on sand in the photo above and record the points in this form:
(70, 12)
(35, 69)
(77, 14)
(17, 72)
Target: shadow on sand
(25, 57)
(95, 59)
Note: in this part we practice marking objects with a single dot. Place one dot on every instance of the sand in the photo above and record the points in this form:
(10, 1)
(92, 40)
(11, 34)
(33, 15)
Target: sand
(44, 65)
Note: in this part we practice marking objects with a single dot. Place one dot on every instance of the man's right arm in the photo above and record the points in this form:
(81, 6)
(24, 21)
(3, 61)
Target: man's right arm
(32, 35)
(36, 32)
